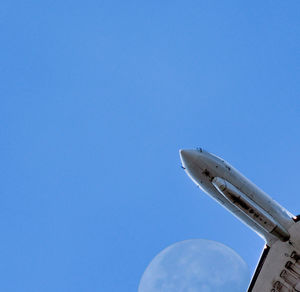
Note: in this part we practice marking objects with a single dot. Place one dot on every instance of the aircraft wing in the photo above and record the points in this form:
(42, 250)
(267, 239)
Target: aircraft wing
(279, 267)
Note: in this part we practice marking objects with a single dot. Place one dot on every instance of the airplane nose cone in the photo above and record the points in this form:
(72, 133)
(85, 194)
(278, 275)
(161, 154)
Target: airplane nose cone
(187, 157)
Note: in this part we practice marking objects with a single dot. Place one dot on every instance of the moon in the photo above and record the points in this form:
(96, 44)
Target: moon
(196, 265)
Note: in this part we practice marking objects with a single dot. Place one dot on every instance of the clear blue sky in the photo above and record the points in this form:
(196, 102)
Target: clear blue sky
(97, 97)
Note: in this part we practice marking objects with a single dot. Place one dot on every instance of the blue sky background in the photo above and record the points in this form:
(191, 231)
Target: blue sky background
(97, 97)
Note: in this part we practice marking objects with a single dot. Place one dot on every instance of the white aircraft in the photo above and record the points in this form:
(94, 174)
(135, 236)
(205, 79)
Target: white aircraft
(279, 265)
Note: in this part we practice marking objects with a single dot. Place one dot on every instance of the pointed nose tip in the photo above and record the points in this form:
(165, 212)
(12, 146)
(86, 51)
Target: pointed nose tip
(187, 156)
(183, 153)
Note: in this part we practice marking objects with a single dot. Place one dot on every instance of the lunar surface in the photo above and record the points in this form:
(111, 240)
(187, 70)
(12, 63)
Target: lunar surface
(196, 265)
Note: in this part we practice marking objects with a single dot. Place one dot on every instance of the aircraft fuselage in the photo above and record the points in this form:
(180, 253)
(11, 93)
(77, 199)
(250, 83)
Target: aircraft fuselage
(239, 195)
